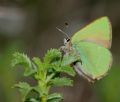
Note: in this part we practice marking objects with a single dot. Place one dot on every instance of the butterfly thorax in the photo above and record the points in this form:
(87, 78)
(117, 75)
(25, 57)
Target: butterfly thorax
(67, 48)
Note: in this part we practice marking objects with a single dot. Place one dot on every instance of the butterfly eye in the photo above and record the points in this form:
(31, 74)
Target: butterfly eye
(68, 40)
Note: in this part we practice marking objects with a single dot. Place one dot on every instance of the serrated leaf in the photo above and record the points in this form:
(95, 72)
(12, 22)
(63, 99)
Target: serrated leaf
(41, 72)
(69, 59)
(68, 70)
(52, 55)
(54, 100)
(55, 97)
(24, 88)
(22, 59)
(38, 62)
(33, 100)
(62, 82)
(37, 89)
(64, 69)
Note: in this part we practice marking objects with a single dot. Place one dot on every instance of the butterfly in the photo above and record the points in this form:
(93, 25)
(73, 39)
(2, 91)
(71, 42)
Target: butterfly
(92, 44)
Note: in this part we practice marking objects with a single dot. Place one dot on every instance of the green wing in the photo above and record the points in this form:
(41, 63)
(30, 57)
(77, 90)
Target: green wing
(96, 60)
(98, 32)
(92, 43)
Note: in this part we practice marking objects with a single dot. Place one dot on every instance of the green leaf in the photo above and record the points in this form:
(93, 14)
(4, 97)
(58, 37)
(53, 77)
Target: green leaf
(37, 89)
(70, 58)
(33, 100)
(22, 59)
(55, 97)
(24, 88)
(65, 69)
(38, 62)
(62, 82)
(52, 55)
(41, 72)
(42, 88)
(55, 100)
(68, 70)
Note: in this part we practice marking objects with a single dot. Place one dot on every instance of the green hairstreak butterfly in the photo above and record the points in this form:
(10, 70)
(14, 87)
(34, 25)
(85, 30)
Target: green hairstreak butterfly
(92, 44)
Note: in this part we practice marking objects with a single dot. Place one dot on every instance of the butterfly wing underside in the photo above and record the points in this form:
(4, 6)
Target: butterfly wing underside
(99, 31)
(92, 44)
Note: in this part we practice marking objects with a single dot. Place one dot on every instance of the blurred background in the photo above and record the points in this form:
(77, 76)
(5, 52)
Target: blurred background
(29, 26)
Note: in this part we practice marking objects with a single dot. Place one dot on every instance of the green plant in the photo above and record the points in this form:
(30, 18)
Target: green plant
(87, 51)
(47, 74)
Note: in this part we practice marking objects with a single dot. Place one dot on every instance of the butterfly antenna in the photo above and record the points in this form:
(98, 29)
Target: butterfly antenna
(62, 32)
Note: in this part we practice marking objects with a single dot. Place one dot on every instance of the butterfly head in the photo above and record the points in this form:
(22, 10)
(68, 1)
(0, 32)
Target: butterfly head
(66, 41)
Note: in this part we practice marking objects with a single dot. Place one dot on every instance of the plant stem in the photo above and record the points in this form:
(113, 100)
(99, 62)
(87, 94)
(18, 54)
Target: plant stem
(43, 90)
(43, 99)
(43, 85)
